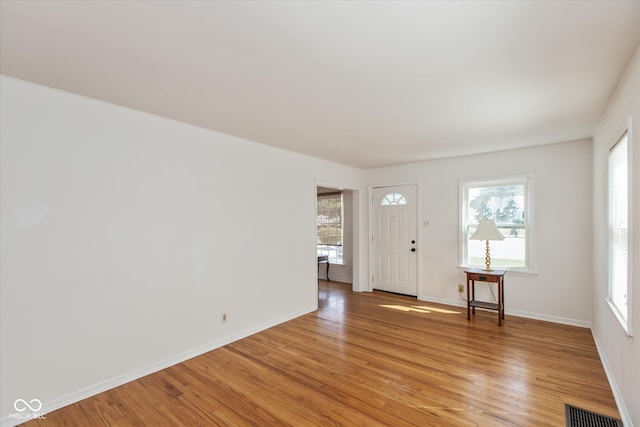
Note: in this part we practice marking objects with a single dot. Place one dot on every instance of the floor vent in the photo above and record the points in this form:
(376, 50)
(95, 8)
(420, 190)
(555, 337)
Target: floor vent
(578, 417)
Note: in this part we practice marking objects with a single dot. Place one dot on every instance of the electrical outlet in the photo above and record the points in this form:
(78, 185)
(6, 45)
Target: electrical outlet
(460, 288)
(224, 318)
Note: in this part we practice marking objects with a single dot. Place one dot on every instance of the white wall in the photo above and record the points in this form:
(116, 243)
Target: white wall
(126, 235)
(561, 291)
(620, 354)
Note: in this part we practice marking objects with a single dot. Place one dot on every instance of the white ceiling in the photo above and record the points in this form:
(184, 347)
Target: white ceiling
(361, 83)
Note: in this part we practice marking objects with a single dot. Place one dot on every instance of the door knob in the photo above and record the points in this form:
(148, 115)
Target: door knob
(413, 249)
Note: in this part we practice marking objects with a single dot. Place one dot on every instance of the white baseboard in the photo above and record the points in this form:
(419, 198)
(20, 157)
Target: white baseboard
(617, 394)
(549, 318)
(518, 313)
(55, 404)
(454, 303)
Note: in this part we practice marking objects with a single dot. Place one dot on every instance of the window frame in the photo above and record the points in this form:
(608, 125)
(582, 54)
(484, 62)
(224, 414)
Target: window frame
(528, 180)
(332, 195)
(625, 323)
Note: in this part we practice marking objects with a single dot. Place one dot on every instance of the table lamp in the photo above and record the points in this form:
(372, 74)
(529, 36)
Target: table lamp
(487, 230)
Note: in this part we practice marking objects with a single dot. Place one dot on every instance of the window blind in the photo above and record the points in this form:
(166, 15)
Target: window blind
(619, 225)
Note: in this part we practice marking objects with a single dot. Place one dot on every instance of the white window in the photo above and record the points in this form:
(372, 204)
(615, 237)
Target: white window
(507, 201)
(619, 233)
(329, 226)
(393, 199)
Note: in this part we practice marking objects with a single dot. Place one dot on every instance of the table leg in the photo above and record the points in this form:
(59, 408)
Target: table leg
(328, 280)
(500, 302)
(468, 301)
(502, 284)
(473, 295)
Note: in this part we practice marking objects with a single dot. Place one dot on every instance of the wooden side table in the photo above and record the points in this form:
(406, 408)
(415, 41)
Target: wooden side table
(480, 275)
(324, 259)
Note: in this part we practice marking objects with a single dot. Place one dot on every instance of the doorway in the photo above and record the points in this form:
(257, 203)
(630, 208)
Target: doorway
(394, 239)
(337, 219)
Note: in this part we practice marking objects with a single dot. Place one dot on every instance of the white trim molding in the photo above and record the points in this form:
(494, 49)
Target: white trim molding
(528, 180)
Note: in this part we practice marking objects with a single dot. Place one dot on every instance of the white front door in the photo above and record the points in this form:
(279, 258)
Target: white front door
(394, 239)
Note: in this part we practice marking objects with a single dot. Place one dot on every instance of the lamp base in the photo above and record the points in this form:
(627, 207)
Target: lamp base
(487, 259)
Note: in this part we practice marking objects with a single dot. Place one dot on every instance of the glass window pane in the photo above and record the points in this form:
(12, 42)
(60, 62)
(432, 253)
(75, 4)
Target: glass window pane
(393, 199)
(619, 226)
(329, 227)
(506, 205)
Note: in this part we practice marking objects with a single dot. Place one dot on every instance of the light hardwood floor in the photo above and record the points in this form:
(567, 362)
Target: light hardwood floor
(369, 359)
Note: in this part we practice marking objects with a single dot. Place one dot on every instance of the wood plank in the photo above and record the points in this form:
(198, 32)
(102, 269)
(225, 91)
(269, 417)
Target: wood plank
(369, 359)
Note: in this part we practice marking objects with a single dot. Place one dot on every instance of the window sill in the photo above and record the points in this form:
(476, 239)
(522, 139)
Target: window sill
(625, 325)
(521, 273)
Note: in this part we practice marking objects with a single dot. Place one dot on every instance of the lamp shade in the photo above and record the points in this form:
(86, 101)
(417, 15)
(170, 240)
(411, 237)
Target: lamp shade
(487, 230)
